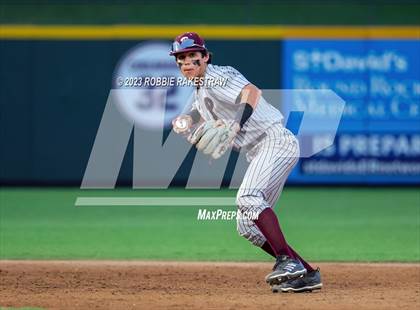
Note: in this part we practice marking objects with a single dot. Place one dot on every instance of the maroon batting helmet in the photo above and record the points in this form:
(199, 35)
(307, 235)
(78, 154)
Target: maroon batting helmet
(187, 42)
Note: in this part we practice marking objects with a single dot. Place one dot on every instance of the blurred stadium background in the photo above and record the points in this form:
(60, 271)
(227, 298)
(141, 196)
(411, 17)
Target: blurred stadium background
(358, 201)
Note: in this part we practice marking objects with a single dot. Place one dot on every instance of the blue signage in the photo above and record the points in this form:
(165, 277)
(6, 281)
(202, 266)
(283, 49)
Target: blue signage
(378, 140)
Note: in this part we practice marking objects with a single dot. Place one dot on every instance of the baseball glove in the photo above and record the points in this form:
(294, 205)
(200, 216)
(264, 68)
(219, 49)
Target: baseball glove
(214, 138)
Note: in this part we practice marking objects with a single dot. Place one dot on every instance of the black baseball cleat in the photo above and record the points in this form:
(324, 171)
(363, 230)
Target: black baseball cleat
(307, 283)
(284, 269)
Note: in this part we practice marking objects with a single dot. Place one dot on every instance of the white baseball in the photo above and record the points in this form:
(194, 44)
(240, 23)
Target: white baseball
(181, 123)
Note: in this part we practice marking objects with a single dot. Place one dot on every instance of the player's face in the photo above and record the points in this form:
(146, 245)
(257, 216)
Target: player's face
(192, 64)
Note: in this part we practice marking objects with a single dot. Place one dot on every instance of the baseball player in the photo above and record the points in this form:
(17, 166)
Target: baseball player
(236, 115)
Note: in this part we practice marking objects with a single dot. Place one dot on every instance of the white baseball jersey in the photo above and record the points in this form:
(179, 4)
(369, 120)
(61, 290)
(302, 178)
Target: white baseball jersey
(273, 157)
(222, 101)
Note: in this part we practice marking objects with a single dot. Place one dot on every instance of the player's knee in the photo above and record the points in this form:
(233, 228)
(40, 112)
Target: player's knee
(249, 234)
(245, 203)
(250, 203)
(240, 201)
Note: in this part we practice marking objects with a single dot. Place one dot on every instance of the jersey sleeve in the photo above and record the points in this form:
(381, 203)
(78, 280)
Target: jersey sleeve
(233, 84)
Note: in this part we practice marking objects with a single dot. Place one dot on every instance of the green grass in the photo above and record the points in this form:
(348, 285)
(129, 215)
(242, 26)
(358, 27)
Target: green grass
(323, 224)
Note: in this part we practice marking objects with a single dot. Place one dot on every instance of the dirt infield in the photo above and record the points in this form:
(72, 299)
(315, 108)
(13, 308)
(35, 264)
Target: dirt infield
(162, 285)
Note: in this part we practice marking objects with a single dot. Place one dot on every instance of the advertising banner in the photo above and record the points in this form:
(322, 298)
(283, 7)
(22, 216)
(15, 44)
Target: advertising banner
(378, 140)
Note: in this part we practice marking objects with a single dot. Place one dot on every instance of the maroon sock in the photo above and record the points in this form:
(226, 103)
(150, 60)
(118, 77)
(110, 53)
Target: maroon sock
(267, 248)
(269, 225)
(304, 263)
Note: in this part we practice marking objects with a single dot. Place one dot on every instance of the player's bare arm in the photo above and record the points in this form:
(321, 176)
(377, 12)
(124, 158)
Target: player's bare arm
(251, 94)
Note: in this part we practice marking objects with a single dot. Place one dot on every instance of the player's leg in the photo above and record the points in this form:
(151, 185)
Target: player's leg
(276, 157)
(251, 196)
(307, 283)
(274, 192)
(247, 229)
(252, 233)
